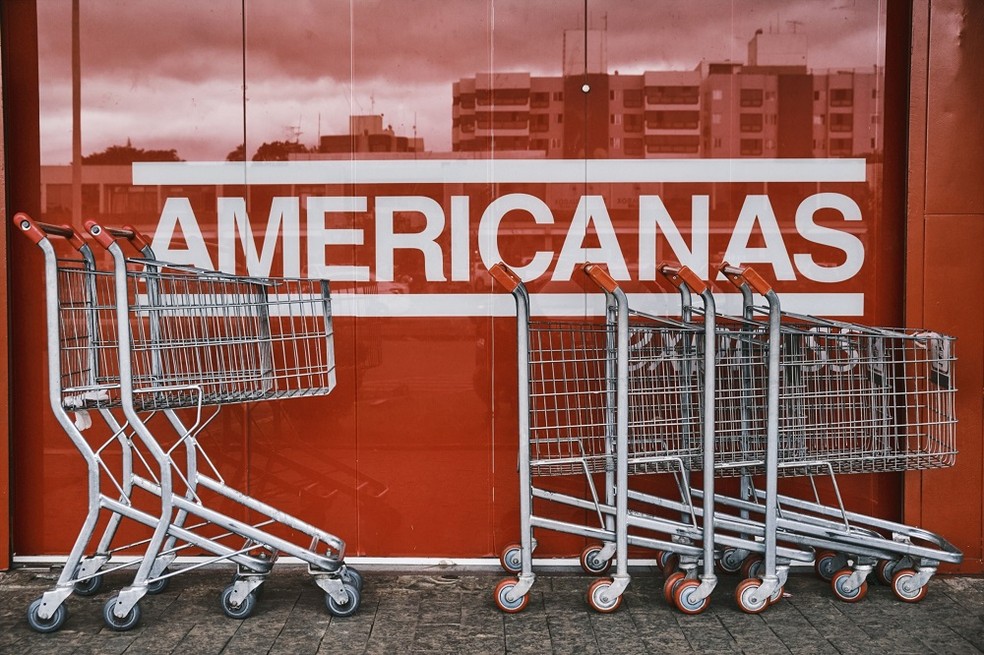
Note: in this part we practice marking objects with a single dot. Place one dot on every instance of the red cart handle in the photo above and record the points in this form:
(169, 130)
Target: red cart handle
(36, 230)
(601, 277)
(107, 235)
(683, 275)
(745, 275)
(505, 276)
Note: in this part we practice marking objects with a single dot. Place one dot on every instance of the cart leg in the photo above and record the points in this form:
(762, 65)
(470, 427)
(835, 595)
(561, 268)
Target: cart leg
(52, 600)
(91, 565)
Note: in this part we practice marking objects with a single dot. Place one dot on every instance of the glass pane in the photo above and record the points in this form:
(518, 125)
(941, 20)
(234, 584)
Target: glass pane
(403, 148)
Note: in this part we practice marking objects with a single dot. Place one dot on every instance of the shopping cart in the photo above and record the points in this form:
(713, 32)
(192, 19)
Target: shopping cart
(569, 427)
(845, 398)
(828, 398)
(195, 338)
(83, 377)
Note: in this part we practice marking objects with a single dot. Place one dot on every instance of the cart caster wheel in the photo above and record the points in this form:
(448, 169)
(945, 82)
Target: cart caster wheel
(52, 623)
(684, 598)
(89, 586)
(160, 585)
(591, 563)
(506, 605)
(743, 596)
(352, 577)
(667, 561)
(776, 596)
(847, 595)
(511, 558)
(347, 609)
(730, 561)
(243, 610)
(116, 623)
(752, 566)
(885, 571)
(905, 590)
(670, 585)
(600, 599)
(826, 564)
(671, 563)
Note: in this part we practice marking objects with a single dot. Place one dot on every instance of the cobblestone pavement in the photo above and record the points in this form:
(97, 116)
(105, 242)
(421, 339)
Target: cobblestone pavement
(451, 611)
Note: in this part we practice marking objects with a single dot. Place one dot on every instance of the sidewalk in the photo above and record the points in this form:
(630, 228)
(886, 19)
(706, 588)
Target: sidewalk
(452, 611)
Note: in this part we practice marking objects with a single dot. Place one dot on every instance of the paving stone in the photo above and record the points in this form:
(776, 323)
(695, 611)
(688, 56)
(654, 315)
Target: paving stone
(440, 613)
(706, 634)
(617, 633)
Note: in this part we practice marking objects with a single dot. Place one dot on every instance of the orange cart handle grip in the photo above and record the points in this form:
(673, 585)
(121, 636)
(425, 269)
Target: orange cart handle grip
(745, 275)
(685, 275)
(106, 235)
(505, 276)
(600, 276)
(102, 236)
(36, 230)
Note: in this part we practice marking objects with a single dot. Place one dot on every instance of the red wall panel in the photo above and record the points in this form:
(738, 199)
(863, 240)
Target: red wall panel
(414, 453)
(944, 273)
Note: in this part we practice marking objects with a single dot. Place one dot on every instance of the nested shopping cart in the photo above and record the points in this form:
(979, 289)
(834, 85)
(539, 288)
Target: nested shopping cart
(827, 397)
(199, 338)
(190, 338)
(569, 427)
(615, 397)
(83, 377)
(689, 581)
(842, 398)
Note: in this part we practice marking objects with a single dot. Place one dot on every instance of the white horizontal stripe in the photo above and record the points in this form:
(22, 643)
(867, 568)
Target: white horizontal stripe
(569, 304)
(368, 563)
(437, 305)
(479, 171)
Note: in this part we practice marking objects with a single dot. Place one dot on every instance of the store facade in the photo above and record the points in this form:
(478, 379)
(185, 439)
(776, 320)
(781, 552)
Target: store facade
(834, 149)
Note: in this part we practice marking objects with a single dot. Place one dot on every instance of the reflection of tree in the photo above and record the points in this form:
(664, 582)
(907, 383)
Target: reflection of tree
(127, 154)
(239, 154)
(269, 151)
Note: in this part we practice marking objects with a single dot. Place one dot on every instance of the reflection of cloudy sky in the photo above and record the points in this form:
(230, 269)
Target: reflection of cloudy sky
(169, 74)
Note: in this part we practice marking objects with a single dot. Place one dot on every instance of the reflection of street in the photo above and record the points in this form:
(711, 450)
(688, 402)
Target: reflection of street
(413, 367)
(377, 459)
(404, 445)
(323, 478)
(424, 428)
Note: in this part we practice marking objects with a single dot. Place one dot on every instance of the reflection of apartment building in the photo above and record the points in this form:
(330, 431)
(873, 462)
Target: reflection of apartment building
(847, 111)
(654, 114)
(367, 134)
(773, 106)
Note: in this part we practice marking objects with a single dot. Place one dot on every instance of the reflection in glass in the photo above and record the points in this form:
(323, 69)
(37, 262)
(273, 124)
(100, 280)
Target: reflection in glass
(665, 82)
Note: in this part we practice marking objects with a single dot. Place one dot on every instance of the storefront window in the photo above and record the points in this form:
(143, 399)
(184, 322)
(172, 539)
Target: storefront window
(401, 149)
